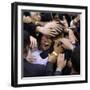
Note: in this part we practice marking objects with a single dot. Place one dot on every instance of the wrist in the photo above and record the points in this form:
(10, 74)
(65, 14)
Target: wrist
(54, 53)
(59, 69)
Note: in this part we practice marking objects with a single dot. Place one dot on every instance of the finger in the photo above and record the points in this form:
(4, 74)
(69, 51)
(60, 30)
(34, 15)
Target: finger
(35, 43)
(59, 29)
(57, 22)
(52, 35)
(60, 25)
(62, 22)
(54, 32)
(31, 44)
(72, 27)
(64, 18)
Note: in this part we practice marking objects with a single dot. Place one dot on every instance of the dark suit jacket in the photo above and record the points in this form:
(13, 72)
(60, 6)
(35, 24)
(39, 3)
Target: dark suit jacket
(32, 70)
(30, 28)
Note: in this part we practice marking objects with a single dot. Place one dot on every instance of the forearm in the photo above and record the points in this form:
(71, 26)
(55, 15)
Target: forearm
(58, 71)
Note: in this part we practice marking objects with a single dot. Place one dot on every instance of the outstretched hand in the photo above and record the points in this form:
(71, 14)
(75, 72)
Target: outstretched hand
(61, 62)
(51, 28)
(66, 43)
(33, 42)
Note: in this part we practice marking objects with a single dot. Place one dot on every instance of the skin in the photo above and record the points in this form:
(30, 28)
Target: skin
(35, 16)
(61, 62)
(33, 41)
(46, 43)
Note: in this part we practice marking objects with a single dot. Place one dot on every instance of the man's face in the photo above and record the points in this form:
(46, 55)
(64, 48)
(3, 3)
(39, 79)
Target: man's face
(35, 16)
(45, 43)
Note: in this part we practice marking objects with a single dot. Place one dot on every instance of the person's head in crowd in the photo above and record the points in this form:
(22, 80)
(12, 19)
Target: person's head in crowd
(35, 16)
(26, 17)
(59, 17)
(31, 16)
(75, 59)
(26, 13)
(45, 43)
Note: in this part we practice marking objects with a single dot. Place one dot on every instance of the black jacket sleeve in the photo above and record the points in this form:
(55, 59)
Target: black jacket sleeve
(32, 70)
(30, 28)
(58, 73)
(49, 68)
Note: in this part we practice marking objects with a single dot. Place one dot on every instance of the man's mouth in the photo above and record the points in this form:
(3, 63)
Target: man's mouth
(47, 44)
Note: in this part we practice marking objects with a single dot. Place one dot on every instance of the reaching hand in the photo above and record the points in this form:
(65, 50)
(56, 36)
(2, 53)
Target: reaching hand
(72, 37)
(33, 42)
(61, 62)
(64, 22)
(57, 47)
(74, 22)
(51, 24)
(52, 58)
(66, 43)
(51, 29)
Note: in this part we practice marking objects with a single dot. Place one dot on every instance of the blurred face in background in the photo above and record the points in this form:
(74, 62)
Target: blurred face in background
(45, 43)
(35, 16)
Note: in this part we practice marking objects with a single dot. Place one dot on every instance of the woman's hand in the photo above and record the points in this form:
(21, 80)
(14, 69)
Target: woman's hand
(33, 42)
(64, 22)
(52, 24)
(51, 29)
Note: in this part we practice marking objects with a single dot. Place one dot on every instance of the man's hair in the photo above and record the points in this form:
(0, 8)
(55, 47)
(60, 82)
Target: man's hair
(26, 13)
(75, 59)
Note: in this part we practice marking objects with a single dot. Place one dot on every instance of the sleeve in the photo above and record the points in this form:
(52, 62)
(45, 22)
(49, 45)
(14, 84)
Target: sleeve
(33, 69)
(30, 28)
(58, 73)
(49, 68)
